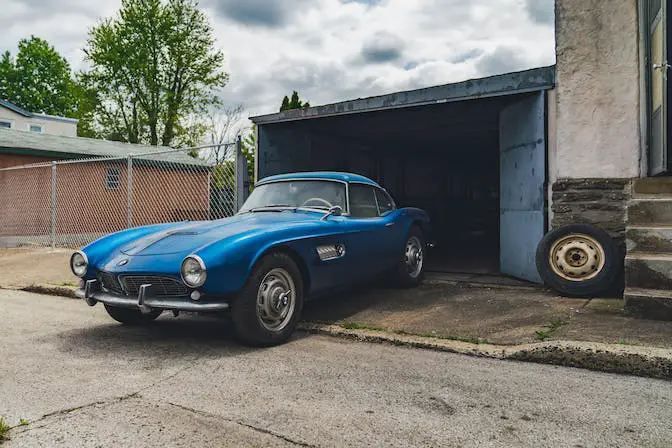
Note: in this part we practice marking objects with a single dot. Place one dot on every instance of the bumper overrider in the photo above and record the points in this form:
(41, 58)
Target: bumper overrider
(92, 293)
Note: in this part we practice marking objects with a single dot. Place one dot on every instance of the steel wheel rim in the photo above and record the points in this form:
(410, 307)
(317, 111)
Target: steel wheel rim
(414, 256)
(577, 257)
(276, 300)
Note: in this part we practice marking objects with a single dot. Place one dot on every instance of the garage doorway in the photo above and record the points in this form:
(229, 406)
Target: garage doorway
(476, 166)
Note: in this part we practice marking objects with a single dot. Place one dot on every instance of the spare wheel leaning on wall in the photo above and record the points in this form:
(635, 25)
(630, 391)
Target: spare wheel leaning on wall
(579, 260)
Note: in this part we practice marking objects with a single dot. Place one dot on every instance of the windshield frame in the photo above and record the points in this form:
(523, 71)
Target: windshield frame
(346, 211)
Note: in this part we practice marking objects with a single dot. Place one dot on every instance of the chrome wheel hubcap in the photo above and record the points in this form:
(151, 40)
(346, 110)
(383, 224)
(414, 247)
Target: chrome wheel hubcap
(276, 300)
(414, 256)
(577, 257)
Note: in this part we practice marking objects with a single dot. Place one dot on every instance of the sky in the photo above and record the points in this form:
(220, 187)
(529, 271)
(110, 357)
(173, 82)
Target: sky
(328, 50)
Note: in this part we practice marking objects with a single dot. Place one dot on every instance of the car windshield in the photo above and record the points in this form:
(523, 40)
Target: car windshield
(316, 194)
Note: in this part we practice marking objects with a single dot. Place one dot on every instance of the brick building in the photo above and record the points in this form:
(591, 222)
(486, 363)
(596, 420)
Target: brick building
(78, 200)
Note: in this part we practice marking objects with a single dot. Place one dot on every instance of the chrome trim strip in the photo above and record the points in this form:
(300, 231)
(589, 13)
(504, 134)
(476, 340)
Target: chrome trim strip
(182, 304)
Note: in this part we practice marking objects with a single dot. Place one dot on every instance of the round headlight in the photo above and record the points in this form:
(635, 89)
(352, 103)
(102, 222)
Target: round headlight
(79, 263)
(193, 271)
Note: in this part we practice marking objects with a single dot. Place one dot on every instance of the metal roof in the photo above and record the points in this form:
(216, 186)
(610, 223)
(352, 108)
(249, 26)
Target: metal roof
(25, 113)
(58, 146)
(510, 83)
(317, 175)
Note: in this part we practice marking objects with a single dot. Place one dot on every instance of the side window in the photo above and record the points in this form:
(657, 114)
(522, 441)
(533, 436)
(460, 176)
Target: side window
(362, 201)
(385, 203)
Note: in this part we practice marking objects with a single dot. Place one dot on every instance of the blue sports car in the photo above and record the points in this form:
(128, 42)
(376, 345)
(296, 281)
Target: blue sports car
(296, 236)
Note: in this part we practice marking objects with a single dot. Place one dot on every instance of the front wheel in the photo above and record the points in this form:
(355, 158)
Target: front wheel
(130, 316)
(411, 267)
(268, 308)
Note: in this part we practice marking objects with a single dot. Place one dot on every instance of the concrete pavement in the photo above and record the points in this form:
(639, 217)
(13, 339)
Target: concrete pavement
(82, 380)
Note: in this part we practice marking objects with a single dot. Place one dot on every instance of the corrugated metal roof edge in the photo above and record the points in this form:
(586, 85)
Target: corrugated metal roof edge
(525, 81)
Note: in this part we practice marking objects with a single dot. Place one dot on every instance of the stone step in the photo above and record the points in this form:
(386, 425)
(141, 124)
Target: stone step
(648, 303)
(648, 271)
(650, 211)
(649, 239)
(652, 185)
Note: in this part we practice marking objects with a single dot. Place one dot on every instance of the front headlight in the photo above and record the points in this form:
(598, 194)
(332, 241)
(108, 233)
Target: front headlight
(78, 263)
(193, 271)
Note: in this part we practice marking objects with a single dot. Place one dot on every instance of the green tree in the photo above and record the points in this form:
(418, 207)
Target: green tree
(39, 79)
(155, 68)
(293, 103)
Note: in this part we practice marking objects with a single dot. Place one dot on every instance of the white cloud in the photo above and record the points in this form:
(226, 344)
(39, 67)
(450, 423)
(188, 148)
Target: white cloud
(329, 50)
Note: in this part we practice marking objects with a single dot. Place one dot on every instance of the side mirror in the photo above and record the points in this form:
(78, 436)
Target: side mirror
(336, 210)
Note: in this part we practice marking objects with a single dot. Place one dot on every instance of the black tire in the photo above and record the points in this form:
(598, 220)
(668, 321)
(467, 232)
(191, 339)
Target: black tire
(130, 316)
(598, 259)
(404, 277)
(247, 320)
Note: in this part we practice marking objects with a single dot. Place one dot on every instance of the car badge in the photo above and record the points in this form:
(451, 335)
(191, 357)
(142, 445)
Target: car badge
(123, 262)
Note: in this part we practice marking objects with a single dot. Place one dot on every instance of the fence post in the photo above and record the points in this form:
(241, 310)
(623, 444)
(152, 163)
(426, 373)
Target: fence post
(241, 174)
(53, 205)
(129, 192)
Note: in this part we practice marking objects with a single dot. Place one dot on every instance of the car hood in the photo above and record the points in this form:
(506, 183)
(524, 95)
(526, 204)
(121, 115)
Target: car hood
(189, 236)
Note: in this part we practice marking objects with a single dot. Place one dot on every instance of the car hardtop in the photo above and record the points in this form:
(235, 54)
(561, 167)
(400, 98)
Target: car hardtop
(320, 175)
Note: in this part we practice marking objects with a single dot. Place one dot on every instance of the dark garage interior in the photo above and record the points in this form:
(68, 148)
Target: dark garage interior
(442, 157)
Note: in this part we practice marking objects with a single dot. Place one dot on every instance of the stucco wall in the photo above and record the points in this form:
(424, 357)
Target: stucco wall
(598, 99)
(49, 126)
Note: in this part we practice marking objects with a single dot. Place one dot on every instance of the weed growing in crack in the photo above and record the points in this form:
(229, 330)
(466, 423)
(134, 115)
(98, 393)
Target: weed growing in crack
(23, 422)
(4, 429)
(552, 326)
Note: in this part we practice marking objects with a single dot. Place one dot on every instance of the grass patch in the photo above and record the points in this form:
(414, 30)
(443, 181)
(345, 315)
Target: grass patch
(23, 422)
(4, 429)
(356, 326)
(447, 338)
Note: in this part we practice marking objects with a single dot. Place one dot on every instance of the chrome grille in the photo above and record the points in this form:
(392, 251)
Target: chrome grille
(161, 286)
(109, 282)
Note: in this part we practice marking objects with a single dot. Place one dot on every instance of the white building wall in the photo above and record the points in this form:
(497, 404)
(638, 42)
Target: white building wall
(598, 90)
(49, 126)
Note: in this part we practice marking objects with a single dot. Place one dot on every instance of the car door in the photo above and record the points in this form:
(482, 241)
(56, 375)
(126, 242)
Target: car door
(370, 233)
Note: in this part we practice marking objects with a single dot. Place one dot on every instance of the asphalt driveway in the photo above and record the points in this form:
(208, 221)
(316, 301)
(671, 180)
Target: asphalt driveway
(82, 380)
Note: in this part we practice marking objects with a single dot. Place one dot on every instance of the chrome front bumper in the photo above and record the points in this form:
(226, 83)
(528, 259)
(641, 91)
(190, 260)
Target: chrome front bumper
(92, 294)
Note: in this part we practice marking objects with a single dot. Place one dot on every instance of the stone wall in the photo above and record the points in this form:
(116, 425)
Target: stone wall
(601, 202)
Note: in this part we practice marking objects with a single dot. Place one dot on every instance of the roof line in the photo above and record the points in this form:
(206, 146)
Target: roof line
(15, 108)
(526, 81)
(28, 114)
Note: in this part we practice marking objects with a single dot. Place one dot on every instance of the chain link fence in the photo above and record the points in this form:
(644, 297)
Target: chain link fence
(70, 203)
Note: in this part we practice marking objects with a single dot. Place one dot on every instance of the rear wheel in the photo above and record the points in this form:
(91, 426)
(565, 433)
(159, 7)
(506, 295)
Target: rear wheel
(411, 267)
(130, 316)
(268, 308)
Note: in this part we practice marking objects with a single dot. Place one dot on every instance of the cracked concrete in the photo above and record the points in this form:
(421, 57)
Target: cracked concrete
(82, 380)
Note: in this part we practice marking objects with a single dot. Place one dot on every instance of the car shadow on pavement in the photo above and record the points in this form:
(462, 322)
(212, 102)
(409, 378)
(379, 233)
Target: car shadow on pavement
(169, 337)
(378, 295)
